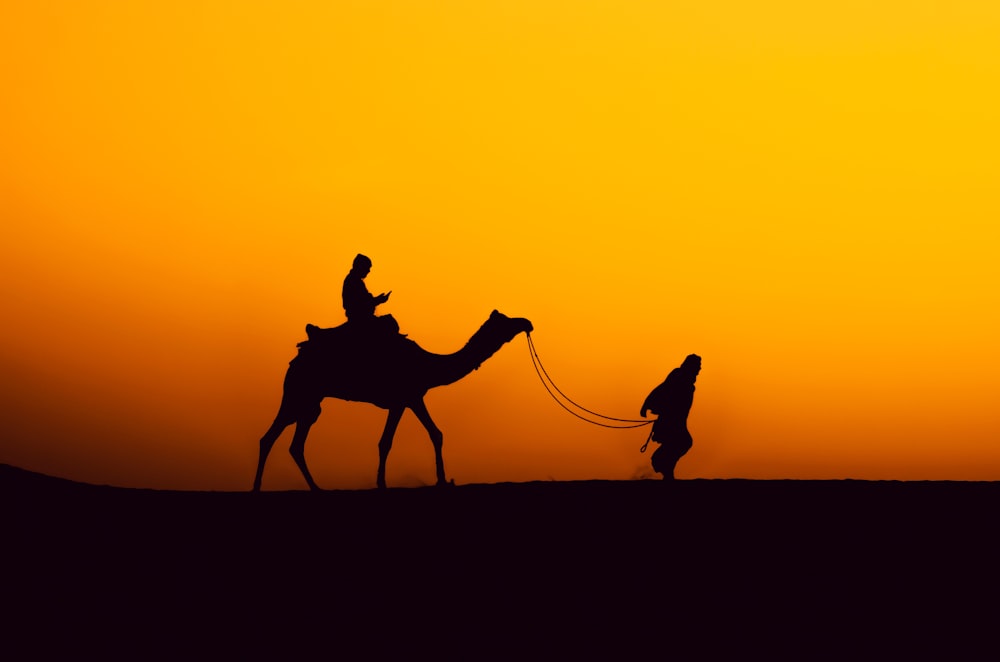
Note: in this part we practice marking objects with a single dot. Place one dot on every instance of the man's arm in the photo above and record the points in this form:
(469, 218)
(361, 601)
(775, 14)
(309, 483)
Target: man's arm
(654, 400)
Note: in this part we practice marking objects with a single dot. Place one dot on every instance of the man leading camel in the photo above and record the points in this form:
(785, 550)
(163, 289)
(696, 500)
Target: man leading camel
(671, 402)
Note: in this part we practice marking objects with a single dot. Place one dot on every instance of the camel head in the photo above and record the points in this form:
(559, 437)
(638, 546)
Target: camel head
(508, 326)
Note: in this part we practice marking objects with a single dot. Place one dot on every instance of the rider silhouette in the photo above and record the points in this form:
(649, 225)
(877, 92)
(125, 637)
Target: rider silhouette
(671, 402)
(359, 303)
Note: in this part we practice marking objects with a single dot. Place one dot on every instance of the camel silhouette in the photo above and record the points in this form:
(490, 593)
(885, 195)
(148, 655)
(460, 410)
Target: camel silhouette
(356, 363)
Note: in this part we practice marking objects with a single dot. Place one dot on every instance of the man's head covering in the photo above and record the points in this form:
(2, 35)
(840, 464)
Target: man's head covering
(692, 364)
(362, 262)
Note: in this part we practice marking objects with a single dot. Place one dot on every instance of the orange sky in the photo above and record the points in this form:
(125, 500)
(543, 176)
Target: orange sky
(805, 194)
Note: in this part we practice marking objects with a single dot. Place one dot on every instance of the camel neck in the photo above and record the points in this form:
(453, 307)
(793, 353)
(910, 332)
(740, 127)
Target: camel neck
(452, 367)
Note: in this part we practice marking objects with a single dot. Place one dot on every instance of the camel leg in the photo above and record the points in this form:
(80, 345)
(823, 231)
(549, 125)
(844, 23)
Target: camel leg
(437, 438)
(298, 447)
(385, 443)
(266, 442)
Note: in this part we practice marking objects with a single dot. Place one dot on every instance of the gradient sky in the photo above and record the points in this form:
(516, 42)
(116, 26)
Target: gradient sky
(805, 194)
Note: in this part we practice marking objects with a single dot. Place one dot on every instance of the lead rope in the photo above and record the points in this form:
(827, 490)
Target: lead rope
(546, 380)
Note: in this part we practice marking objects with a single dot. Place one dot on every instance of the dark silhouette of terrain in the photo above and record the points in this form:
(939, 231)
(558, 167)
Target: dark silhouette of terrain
(782, 569)
(362, 362)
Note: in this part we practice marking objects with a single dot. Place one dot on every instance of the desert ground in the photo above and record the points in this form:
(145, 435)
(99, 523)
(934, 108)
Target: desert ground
(709, 568)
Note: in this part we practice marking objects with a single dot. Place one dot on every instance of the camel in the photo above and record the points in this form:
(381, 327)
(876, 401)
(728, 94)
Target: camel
(353, 363)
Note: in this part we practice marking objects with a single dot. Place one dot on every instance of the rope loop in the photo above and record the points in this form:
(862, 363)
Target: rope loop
(642, 449)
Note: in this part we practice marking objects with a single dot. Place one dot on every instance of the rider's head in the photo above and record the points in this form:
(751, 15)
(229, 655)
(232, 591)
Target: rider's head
(362, 264)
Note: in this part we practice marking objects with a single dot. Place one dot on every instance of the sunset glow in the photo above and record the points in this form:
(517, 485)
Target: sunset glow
(804, 194)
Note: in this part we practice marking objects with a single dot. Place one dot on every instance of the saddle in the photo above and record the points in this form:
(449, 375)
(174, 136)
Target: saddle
(368, 334)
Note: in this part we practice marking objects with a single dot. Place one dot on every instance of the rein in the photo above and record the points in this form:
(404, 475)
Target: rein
(552, 389)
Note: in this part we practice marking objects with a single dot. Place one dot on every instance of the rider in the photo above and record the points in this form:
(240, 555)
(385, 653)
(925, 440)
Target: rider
(359, 303)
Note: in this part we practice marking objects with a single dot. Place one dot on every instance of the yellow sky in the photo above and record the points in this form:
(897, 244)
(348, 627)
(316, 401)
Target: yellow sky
(805, 194)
